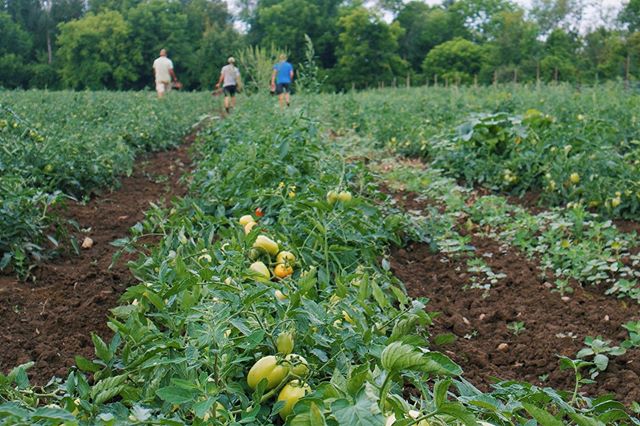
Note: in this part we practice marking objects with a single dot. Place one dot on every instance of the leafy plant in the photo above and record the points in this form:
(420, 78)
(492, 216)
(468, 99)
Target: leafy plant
(633, 327)
(599, 351)
(516, 327)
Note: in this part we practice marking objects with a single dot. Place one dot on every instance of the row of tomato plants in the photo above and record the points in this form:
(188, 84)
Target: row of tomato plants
(571, 242)
(205, 337)
(568, 144)
(57, 145)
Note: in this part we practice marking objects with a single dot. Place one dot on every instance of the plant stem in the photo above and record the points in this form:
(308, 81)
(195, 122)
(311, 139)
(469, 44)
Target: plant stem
(385, 390)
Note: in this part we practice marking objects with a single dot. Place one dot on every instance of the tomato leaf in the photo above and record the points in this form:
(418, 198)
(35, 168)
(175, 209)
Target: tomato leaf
(399, 356)
(176, 395)
(365, 412)
(541, 416)
(101, 348)
(313, 417)
(85, 365)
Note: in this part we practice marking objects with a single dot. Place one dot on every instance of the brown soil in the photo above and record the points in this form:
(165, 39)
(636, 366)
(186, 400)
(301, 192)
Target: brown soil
(50, 320)
(479, 318)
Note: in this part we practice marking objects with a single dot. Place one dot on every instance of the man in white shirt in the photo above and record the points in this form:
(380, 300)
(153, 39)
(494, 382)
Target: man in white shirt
(230, 79)
(163, 69)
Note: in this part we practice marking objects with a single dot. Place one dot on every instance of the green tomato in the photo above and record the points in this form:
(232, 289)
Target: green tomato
(266, 368)
(254, 254)
(332, 197)
(344, 196)
(284, 342)
(291, 394)
(261, 269)
(297, 364)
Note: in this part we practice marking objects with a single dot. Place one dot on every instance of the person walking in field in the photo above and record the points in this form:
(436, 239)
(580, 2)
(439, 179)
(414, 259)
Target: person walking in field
(281, 79)
(163, 70)
(230, 80)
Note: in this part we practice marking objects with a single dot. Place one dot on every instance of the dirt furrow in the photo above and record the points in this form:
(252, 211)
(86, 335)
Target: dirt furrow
(50, 320)
(483, 320)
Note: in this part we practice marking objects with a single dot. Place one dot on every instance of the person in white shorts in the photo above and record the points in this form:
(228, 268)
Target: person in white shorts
(163, 69)
(230, 80)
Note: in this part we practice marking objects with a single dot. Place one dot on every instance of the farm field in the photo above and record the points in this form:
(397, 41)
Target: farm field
(61, 145)
(433, 256)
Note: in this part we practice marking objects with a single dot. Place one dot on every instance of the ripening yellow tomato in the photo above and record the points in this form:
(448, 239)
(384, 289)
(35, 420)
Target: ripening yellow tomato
(268, 368)
(291, 393)
(297, 364)
(282, 270)
(267, 244)
(247, 218)
(574, 178)
(615, 202)
(344, 196)
(347, 317)
(332, 197)
(248, 227)
(286, 257)
(261, 269)
(280, 295)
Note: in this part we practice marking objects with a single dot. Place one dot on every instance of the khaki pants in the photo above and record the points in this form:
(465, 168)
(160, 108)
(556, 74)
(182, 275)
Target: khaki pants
(163, 87)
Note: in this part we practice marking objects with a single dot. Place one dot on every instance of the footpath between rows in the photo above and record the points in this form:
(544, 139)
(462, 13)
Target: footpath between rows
(49, 320)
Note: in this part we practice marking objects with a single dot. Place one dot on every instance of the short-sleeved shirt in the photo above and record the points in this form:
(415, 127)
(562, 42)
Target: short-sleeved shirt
(161, 66)
(283, 72)
(231, 74)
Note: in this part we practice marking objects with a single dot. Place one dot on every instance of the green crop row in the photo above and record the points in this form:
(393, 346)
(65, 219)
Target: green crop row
(203, 339)
(578, 145)
(55, 145)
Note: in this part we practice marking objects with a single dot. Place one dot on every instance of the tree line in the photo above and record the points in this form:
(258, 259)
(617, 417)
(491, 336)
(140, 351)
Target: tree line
(111, 44)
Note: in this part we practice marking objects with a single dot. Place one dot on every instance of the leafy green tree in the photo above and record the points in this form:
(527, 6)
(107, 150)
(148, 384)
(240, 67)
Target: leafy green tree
(455, 60)
(15, 46)
(425, 27)
(367, 50)
(13, 38)
(477, 16)
(630, 15)
(202, 69)
(560, 56)
(604, 54)
(156, 25)
(514, 45)
(121, 6)
(97, 52)
(29, 14)
(284, 23)
(557, 68)
(633, 51)
(556, 14)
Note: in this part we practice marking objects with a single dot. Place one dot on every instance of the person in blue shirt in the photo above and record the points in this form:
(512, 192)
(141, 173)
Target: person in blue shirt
(281, 79)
